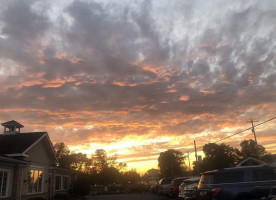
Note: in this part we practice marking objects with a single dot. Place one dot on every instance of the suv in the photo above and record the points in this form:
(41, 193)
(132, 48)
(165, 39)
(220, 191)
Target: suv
(238, 183)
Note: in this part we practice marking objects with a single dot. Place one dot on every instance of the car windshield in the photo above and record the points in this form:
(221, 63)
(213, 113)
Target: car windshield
(207, 179)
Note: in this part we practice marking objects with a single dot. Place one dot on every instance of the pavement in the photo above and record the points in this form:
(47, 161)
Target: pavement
(136, 196)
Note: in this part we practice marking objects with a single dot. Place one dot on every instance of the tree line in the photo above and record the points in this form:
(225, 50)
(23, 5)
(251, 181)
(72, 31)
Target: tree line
(97, 169)
(172, 162)
(103, 169)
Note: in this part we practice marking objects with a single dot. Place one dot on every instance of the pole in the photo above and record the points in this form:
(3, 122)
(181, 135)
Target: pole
(189, 162)
(196, 158)
(256, 143)
(195, 150)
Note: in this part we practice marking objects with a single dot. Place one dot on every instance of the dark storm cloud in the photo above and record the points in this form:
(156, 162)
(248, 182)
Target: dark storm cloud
(153, 62)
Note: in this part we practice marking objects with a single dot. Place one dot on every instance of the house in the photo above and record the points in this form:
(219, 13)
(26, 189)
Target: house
(28, 165)
(250, 162)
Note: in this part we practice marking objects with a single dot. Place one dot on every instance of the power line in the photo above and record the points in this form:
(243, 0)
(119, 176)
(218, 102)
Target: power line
(238, 133)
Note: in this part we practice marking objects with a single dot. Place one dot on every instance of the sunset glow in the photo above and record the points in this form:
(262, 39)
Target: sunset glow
(136, 78)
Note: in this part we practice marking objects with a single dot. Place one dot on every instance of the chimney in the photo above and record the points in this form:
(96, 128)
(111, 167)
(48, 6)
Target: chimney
(12, 127)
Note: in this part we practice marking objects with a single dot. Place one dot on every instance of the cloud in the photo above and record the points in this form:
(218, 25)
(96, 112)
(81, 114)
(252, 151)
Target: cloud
(139, 68)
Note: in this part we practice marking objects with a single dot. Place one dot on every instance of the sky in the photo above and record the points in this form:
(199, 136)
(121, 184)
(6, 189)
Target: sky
(138, 77)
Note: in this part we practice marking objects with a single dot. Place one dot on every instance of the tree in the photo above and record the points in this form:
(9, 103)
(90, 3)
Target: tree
(131, 176)
(71, 160)
(61, 150)
(108, 175)
(248, 149)
(216, 157)
(171, 163)
(63, 155)
(102, 161)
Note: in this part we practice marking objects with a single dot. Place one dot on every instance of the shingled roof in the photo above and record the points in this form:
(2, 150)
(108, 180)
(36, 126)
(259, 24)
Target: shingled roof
(18, 143)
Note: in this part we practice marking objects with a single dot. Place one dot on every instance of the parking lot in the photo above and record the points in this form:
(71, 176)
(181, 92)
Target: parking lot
(137, 196)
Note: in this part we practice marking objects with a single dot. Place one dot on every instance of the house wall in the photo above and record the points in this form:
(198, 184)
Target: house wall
(40, 159)
(39, 154)
(62, 174)
(44, 193)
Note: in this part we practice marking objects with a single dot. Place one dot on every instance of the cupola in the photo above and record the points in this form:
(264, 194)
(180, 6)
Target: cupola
(12, 127)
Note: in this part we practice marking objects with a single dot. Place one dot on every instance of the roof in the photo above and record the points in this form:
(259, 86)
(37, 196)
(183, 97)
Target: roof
(236, 168)
(12, 123)
(250, 162)
(18, 143)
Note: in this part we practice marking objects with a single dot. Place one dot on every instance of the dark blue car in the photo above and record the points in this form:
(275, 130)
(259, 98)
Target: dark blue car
(238, 183)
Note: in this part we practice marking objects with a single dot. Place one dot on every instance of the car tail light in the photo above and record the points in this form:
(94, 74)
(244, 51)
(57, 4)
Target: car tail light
(174, 188)
(216, 191)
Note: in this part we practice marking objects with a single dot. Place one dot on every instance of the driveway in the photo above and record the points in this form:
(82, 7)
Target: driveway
(143, 196)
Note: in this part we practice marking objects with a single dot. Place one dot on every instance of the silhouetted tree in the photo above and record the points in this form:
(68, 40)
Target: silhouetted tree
(131, 176)
(216, 157)
(248, 149)
(171, 163)
(102, 161)
(61, 149)
(108, 175)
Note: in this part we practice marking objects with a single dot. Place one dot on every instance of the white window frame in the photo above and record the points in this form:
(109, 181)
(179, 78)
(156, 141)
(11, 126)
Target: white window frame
(8, 183)
(42, 183)
(61, 182)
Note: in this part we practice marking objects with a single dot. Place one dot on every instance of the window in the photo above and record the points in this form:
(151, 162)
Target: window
(4, 175)
(62, 182)
(229, 177)
(35, 181)
(207, 179)
(65, 182)
(264, 174)
(58, 183)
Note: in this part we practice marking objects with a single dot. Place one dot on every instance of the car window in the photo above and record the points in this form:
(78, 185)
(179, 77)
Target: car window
(207, 179)
(229, 177)
(264, 174)
(188, 182)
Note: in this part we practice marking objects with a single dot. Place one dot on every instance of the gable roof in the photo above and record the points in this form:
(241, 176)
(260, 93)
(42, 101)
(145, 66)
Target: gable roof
(250, 161)
(19, 144)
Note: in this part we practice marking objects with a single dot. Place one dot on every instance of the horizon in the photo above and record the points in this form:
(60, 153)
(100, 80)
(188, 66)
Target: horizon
(136, 78)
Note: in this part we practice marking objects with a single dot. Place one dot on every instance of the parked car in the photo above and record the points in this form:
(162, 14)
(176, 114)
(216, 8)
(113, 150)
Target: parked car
(185, 184)
(190, 188)
(175, 185)
(238, 183)
(153, 188)
(164, 186)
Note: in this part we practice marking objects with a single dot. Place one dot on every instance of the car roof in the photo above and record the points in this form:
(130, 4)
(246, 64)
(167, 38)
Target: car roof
(238, 168)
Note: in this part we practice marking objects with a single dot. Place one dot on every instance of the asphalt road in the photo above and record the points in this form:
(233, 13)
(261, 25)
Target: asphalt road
(144, 196)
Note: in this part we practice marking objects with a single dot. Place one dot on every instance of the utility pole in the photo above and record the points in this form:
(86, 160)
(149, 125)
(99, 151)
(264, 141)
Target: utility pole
(189, 163)
(256, 143)
(196, 157)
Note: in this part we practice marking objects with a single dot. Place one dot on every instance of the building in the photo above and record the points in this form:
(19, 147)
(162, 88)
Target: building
(28, 165)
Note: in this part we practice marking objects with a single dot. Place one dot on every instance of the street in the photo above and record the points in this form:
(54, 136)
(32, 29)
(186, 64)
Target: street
(137, 196)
